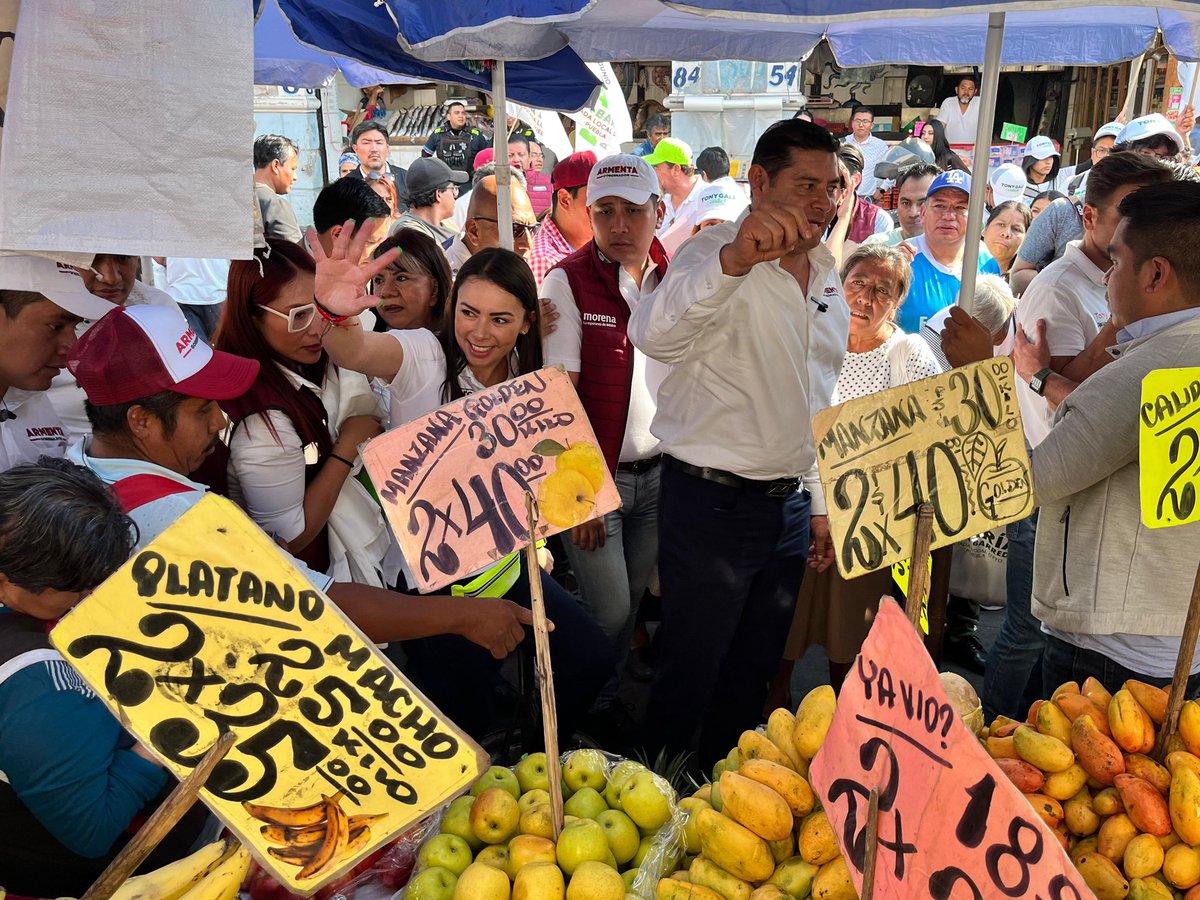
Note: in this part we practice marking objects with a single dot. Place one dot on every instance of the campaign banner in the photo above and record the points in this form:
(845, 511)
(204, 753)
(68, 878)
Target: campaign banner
(209, 629)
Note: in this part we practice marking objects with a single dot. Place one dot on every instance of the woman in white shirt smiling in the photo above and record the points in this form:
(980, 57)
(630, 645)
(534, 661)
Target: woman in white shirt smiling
(490, 335)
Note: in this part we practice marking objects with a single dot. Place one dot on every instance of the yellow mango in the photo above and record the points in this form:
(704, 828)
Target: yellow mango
(674, 889)
(1095, 691)
(833, 882)
(1065, 784)
(769, 892)
(1185, 804)
(1082, 846)
(1102, 876)
(1053, 721)
(1144, 767)
(1115, 834)
(708, 874)
(1079, 816)
(1178, 758)
(733, 847)
(813, 717)
(780, 726)
(1107, 803)
(1181, 866)
(1047, 753)
(1131, 726)
(791, 786)
(755, 806)
(1189, 726)
(816, 842)
(1143, 856)
(755, 745)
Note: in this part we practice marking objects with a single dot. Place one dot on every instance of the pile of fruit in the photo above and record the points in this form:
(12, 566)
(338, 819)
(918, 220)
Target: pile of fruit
(757, 832)
(1130, 824)
(497, 841)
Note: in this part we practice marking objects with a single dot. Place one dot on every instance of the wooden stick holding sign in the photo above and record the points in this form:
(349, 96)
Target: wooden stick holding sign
(868, 886)
(161, 821)
(1183, 669)
(918, 580)
(545, 672)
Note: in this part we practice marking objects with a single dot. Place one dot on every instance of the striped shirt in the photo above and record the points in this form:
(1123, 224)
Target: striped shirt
(549, 248)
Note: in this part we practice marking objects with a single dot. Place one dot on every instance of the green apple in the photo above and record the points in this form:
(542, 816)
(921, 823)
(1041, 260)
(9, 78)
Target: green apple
(431, 884)
(587, 803)
(530, 799)
(495, 816)
(795, 876)
(691, 806)
(645, 801)
(457, 820)
(642, 850)
(482, 882)
(595, 881)
(718, 767)
(536, 821)
(622, 834)
(733, 761)
(525, 849)
(585, 768)
(620, 774)
(495, 856)
(714, 797)
(627, 876)
(447, 851)
(532, 773)
(579, 842)
(539, 881)
(497, 776)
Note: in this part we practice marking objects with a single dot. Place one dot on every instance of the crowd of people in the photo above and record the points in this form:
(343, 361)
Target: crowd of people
(702, 321)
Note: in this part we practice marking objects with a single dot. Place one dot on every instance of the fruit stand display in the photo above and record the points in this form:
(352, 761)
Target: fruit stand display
(621, 833)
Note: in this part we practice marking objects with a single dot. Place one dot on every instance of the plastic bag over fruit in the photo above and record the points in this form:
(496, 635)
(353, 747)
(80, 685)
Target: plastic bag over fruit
(620, 817)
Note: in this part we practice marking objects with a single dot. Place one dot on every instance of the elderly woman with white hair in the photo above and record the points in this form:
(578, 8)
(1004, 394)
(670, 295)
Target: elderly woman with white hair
(994, 307)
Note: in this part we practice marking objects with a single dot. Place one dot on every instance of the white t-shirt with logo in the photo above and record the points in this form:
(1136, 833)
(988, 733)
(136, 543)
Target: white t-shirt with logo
(1070, 295)
(33, 430)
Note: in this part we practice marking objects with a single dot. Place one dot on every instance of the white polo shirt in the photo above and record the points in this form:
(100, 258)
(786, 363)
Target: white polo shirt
(35, 431)
(686, 213)
(564, 348)
(960, 127)
(1070, 295)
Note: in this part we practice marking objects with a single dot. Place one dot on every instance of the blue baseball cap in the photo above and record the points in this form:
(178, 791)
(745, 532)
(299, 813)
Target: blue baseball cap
(955, 178)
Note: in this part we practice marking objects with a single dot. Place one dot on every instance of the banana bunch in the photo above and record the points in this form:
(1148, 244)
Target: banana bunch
(214, 872)
(1130, 824)
(313, 837)
(757, 831)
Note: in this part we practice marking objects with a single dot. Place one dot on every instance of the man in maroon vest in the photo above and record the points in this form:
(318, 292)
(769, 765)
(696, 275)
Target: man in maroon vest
(596, 290)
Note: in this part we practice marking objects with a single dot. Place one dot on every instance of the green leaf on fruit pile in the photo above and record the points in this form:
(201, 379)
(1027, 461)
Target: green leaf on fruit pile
(549, 447)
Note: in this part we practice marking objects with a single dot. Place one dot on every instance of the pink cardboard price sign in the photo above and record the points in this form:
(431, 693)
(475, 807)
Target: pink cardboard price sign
(452, 483)
(951, 825)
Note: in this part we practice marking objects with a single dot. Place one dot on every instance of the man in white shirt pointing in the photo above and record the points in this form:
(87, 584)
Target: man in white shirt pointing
(751, 318)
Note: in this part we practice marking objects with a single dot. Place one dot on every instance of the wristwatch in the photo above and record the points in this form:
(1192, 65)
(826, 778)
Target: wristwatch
(1037, 383)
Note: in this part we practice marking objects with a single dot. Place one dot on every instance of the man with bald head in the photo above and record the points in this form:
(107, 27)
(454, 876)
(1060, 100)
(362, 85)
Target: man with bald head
(481, 230)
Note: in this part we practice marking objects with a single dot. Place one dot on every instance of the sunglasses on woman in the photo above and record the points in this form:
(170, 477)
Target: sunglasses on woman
(298, 317)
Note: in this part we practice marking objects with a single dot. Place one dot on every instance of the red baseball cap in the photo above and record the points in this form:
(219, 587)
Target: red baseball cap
(573, 171)
(485, 156)
(137, 351)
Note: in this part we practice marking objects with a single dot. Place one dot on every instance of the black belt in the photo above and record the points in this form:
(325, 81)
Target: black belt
(638, 466)
(780, 487)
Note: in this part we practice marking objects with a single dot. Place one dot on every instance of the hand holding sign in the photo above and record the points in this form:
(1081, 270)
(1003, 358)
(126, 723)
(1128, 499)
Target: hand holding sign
(951, 824)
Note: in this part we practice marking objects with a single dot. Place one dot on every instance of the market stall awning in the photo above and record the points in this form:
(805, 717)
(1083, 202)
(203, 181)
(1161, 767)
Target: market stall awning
(861, 32)
(302, 42)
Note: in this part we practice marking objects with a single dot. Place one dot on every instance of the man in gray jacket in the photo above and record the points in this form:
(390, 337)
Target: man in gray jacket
(1111, 593)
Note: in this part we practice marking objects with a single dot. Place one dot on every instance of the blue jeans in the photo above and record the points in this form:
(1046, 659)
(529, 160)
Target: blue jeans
(203, 317)
(1064, 661)
(1007, 687)
(613, 578)
(730, 564)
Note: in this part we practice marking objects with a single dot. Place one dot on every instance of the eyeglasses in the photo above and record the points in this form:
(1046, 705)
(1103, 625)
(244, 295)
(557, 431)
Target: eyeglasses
(519, 229)
(298, 317)
(1102, 151)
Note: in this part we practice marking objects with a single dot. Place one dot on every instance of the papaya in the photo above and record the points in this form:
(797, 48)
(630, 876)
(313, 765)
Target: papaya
(1076, 705)
(1096, 753)
(1153, 699)
(1189, 726)
(1144, 767)
(1132, 728)
(1095, 691)
(1184, 804)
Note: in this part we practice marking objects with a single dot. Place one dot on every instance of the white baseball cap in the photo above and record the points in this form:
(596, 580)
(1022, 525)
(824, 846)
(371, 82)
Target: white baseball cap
(1153, 125)
(623, 175)
(1112, 130)
(720, 201)
(59, 283)
(1008, 182)
(1041, 147)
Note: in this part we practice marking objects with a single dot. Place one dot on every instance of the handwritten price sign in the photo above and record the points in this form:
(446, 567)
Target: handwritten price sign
(210, 629)
(1169, 447)
(954, 441)
(951, 825)
(453, 483)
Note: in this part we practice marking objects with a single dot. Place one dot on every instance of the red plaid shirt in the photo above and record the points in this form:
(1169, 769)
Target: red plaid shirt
(549, 248)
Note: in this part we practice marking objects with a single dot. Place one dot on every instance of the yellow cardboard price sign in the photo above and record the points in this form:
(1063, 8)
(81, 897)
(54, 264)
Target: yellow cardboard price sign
(900, 573)
(1169, 447)
(954, 441)
(210, 629)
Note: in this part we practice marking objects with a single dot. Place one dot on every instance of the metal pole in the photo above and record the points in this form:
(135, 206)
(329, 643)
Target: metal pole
(983, 148)
(1135, 73)
(500, 143)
